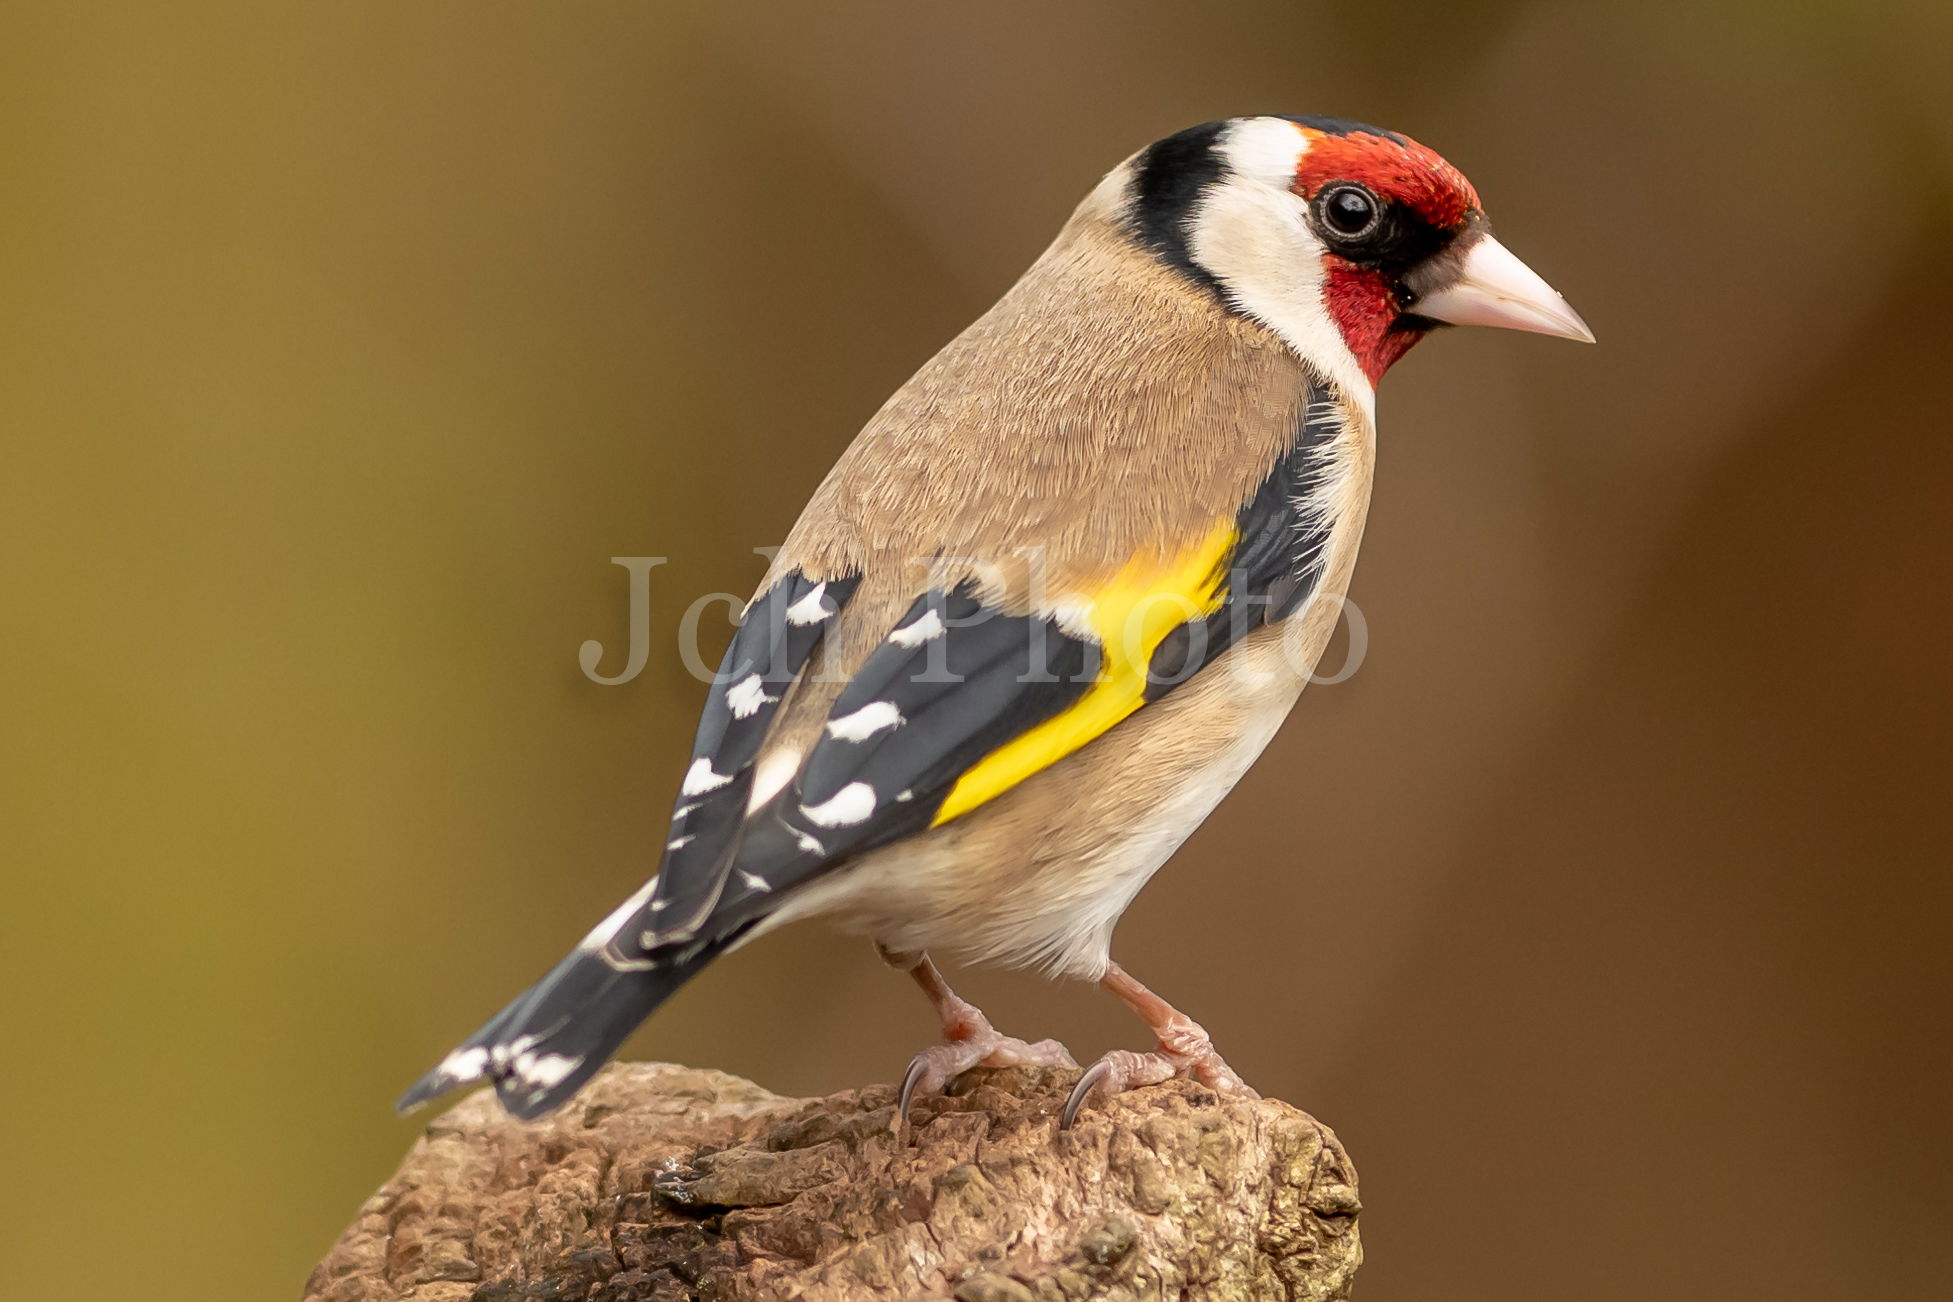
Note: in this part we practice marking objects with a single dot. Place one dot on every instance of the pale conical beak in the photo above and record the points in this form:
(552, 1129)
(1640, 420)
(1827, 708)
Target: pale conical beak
(1494, 288)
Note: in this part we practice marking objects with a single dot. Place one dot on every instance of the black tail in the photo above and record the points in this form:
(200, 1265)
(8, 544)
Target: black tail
(556, 1034)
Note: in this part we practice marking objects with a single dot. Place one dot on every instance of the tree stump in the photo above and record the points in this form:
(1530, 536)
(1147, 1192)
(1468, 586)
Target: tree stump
(661, 1183)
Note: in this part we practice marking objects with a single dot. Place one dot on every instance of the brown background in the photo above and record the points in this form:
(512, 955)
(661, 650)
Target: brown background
(1605, 911)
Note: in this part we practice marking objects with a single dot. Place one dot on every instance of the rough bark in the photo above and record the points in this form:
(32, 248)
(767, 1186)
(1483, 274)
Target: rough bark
(661, 1183)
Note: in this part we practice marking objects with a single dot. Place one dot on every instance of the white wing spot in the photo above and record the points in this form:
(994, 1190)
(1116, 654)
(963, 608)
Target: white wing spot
(679, 842)
(930, 625)
(809, 844)
(745, 697)
(874, 717)
(700, 778)
(810, 609)
(850, 805)
(755, 883)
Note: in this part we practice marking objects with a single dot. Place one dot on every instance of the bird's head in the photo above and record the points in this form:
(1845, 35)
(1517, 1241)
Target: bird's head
(1349, 241)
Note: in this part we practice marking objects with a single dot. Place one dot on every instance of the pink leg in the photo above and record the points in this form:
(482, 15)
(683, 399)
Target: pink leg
(968, 1038)
(1184, 1049)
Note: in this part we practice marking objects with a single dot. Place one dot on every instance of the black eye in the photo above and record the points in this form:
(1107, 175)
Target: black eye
(1349, 211)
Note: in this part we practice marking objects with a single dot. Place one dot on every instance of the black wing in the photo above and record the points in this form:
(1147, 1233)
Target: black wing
(770, 648)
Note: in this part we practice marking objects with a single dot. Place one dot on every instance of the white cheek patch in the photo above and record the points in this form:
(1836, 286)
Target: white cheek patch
(1266, 149)
(1256, 241)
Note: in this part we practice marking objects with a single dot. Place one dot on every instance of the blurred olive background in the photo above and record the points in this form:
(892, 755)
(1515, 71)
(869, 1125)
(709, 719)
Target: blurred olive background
(1604, 911)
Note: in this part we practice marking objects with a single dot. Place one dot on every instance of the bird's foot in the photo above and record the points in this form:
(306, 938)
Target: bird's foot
(1184, 1051)
(973, 1042)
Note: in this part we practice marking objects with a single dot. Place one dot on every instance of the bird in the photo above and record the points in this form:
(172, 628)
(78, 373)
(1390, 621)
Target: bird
(1051, 603)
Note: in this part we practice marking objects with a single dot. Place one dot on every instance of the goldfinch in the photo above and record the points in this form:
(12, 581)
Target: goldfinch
(1052, 602)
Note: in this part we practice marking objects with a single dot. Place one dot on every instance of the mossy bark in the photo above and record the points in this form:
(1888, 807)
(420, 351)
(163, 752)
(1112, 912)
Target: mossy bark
(662, 1183)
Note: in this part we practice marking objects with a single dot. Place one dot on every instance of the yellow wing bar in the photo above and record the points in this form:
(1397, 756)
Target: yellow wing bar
(1129, 616)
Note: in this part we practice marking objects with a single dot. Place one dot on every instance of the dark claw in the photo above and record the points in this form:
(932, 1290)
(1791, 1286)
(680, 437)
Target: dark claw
(1093, 1077)
(910, 1079)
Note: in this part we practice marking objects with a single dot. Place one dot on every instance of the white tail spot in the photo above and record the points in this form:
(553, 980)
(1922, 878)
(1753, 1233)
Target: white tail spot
(464, 1064)
(545, 1069)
